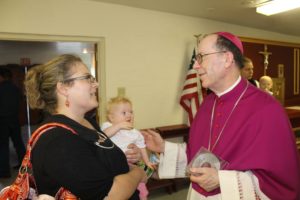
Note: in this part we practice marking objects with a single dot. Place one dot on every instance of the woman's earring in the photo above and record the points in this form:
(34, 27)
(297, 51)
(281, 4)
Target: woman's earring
(67, 103)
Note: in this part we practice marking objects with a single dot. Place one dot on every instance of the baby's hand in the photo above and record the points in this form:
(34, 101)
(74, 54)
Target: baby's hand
(125, 125)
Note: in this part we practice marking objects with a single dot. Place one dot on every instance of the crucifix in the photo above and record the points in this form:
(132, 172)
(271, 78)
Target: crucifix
(266, 54)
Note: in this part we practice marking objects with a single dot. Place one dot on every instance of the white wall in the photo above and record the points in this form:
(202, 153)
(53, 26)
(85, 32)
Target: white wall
(147, 52)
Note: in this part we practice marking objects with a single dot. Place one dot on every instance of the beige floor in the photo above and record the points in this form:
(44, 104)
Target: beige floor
(161, 194)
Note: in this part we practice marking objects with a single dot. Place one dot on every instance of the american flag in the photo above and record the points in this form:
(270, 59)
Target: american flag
(191, 96)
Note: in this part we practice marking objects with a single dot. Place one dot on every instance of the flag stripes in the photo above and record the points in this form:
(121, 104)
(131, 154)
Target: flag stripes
(191, 96)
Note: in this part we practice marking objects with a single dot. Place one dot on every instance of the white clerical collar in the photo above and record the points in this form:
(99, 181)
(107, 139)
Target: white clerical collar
(230, 88)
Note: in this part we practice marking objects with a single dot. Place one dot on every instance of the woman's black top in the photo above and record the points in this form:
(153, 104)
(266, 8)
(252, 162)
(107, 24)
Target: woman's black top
(75, 162)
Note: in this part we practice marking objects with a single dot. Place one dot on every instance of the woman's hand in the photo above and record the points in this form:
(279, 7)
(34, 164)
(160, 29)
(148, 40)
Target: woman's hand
(205, 177)
(154, 141)
(124, 185)
(141, 171)
(133, 154)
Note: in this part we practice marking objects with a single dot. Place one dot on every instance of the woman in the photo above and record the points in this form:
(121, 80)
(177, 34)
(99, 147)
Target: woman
(87, 163)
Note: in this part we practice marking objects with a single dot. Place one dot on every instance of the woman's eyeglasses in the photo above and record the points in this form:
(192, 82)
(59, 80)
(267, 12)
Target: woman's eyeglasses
(88, 77)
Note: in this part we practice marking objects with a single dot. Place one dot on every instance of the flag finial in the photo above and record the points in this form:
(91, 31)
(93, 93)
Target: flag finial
(198, 38)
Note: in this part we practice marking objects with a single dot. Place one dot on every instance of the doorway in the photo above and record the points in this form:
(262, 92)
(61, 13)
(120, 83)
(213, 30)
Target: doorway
(21, 52)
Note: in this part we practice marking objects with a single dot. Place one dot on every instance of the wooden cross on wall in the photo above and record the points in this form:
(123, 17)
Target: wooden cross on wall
(266, 55)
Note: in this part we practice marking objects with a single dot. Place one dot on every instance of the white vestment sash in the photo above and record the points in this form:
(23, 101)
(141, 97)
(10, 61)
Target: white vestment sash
(234, 185)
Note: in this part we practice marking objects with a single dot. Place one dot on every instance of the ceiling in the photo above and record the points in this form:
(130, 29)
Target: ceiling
(11, 52)
(240, 12)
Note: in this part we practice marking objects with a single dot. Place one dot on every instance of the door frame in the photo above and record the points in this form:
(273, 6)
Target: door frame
(99, 57)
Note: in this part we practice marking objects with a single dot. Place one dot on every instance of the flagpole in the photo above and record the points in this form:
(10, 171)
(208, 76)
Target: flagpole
(28, 111)
(198, 38)
(200, 96)
(26, 62)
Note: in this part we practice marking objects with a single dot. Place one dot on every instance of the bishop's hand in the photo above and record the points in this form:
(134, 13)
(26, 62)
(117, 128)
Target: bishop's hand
(205, 177)
(154, 141)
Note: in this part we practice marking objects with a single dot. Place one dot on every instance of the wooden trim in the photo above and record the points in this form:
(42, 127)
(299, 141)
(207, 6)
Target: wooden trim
(294, 116)
(292, 101)
(270, 42)
(181, 130)
(296, 71)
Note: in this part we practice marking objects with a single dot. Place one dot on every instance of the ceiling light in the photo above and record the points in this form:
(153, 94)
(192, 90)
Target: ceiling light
(277, 6)
(85, 51)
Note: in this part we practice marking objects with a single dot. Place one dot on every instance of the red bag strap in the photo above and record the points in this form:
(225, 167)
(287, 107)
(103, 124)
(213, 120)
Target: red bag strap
(42, 129)
(34, 138)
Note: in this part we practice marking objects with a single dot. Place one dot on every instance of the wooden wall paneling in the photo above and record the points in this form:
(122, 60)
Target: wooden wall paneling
(282, 54)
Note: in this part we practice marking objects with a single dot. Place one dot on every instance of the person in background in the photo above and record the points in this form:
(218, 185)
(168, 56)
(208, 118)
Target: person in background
(119, 128)
(88, 163)
(266, 84)
(241, 145)
(247, 71)
(10, 96)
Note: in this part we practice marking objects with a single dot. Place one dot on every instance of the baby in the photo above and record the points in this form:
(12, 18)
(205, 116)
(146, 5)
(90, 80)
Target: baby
(119, 128)
(266, 84)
